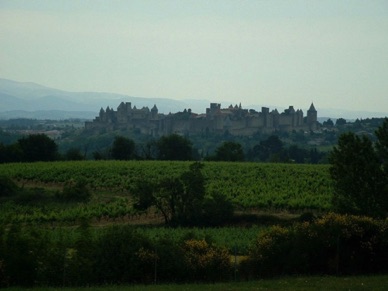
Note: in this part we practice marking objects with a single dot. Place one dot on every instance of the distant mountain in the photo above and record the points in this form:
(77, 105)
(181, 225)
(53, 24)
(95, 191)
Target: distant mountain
(47, 114)
(26, 90)
(8, 101)
(349, 114)
(18, 99)
(30, 100)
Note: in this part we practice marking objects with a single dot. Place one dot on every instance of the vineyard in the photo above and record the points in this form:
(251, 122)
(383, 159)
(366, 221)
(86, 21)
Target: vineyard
(250, 186)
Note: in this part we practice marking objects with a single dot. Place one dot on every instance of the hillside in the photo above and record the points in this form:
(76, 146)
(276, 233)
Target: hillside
(30, 100)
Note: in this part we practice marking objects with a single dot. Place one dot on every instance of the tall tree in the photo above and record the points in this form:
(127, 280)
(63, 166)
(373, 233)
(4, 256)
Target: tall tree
(359, 180)
(74, 154)
(175, 148)
(123, 148)
(382, 144)
(172, 196)
(149, 150)
(229, 151)
(269, 149)
(182, 200)
(38, 147)
(10, 153)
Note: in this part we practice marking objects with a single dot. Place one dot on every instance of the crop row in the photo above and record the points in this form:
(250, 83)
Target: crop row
(248, 185)
(16, 213)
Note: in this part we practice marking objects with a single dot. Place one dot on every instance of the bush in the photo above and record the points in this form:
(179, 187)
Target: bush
(3, 276)
(7, 187)
(32, 195)
(119, 256)
(19, 257)
(217, 210)
(334, 244)
(75, 191)
(206, 262)
(170, 261)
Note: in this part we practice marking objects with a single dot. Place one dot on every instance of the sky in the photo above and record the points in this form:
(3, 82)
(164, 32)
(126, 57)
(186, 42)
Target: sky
(269, 52)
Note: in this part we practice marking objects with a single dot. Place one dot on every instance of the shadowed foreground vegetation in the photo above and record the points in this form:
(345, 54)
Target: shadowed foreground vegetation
(375, 283)
(332, 245)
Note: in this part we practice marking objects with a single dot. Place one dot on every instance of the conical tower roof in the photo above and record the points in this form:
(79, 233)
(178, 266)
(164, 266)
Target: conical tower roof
(312, 108)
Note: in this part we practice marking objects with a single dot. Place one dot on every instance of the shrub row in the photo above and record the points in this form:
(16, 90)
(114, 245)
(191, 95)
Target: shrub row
(334, 244)
(115, 255)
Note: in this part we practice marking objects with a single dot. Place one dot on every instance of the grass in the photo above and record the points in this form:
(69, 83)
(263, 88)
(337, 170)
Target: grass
(375, 283)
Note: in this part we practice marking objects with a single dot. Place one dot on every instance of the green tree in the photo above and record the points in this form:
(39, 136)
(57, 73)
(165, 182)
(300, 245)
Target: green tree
(167, 195)
(38, 147)
(74, 154)
(123, 148)
(359, 181)
(162, 194)
(297, 154)
(229, 151)
(191, 198)
(149, 150)
(328, 123)
(217, 210)
(340, 122)
(175, 148)
(269, 149)
(382, 144)
(181, 200)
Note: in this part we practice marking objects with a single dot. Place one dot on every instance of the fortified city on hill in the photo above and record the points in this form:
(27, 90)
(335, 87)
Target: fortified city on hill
(234, 119)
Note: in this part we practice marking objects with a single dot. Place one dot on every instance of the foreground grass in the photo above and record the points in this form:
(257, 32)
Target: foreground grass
(285, 283)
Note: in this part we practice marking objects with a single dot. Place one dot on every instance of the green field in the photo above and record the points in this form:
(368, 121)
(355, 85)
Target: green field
(248, 185)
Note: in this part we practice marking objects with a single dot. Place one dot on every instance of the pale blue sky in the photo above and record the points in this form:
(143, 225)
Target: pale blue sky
(280, 53)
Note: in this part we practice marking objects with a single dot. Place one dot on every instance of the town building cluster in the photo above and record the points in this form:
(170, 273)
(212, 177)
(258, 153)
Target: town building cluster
(233, 119)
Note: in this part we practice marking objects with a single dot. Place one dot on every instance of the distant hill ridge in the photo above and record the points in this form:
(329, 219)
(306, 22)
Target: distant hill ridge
(31, 100)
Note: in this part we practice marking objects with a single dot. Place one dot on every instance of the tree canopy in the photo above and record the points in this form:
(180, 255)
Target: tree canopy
(182, 199)
(229, 151)
(175, 148)
(123, 148)
(269, 149)
(382, 144)
(38, 147)
(360, 177)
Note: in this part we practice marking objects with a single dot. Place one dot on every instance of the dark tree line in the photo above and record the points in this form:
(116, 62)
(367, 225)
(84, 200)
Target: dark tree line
(169, 148)
(173, 147)
(273, 149)
(176, 147)
(38, 147)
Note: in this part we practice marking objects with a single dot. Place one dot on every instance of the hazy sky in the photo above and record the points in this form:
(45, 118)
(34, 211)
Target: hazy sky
(334, 53)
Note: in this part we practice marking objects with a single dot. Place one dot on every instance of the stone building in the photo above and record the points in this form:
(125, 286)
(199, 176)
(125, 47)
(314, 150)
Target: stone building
(216, 120)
